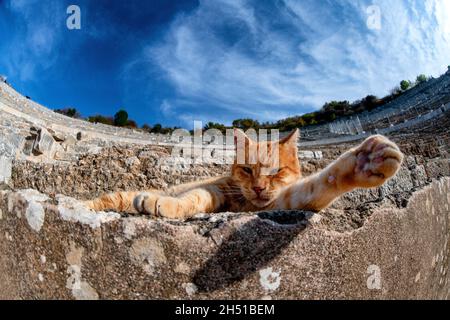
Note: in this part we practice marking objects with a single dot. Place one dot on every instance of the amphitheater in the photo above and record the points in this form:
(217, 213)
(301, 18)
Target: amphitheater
(386, 243)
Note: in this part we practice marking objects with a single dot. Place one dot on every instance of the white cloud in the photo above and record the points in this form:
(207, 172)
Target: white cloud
(37, 35)
(268, 63)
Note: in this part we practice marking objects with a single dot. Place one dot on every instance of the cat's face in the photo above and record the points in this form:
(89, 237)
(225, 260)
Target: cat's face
(262, 179)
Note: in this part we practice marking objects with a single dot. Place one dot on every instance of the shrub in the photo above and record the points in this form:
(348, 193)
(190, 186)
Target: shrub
(157, 128)
(395, 91)
(246, 124)
(213, 125)
(121, 118)
(69, 112)
(421, 78)
(131, 124)
(101, 119)
(405, 84)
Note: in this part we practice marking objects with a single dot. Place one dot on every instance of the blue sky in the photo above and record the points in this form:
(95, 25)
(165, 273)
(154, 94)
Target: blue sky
(173, 62)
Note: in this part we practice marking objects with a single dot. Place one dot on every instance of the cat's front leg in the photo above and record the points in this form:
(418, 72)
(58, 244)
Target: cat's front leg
(163, 206)
(145, 202)
(173, 208)
(201, 200)
(369, 165)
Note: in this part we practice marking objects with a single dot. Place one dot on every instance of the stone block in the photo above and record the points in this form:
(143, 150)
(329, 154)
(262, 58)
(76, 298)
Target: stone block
(45, 144)
(5, 169)
(65, 251)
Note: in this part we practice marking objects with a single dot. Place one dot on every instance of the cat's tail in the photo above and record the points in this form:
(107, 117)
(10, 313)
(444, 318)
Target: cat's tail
(118, 201)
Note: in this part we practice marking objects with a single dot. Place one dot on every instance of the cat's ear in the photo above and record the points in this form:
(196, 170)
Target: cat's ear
(291, 138)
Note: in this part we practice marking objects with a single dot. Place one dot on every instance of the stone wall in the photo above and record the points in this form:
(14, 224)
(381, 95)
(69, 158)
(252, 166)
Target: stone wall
(389, 242)
(53, 248)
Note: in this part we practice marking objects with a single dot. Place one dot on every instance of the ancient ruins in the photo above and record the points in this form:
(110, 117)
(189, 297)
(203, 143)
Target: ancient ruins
(390, 242)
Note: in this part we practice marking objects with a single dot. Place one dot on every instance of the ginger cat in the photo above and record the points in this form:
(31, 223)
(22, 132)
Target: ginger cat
(368, 165)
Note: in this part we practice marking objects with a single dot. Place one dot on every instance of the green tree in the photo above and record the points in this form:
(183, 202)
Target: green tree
(421, 78)
(309, 118)
(301, 122)
(101, 119)
(287, 124)
(157, 128)
(213, 125)
(69, 112)
(146, 128)
(246, 124)
(339, 108)
(405, 84)
(166, 130)
(370, 102)
(121, 118)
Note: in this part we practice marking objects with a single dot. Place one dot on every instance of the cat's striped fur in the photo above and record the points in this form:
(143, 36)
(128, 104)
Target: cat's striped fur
(247, 189)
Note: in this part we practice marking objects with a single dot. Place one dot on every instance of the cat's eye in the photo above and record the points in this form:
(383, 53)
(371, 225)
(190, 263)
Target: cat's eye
(247, 170)
(279, 170)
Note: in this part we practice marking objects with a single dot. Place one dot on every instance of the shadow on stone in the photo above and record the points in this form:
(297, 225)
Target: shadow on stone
(249, 248)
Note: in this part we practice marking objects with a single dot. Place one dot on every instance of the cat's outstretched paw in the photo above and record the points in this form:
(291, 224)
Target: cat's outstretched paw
(169, 207)
(375, 161)
(158, 206)
(145, 203)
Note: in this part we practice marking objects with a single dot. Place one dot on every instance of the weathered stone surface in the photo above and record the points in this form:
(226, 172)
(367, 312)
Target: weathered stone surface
(6, 148)
(45, 143)
(110, 169)
(5, 169)
(278, 256)
(53, 247)
(68, 142)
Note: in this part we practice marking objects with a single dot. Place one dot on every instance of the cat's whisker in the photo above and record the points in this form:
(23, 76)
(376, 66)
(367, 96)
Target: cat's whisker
(286, 190)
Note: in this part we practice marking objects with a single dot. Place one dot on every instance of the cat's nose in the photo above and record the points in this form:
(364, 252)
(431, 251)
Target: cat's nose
(258, 190)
